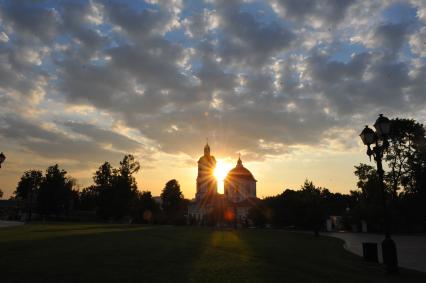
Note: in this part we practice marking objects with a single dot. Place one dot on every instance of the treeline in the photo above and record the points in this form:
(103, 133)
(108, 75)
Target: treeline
(114, 196)
(405, 183)
(306, 208)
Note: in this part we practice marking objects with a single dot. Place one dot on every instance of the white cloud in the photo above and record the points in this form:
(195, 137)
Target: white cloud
(171, 74)
(3, 37)
(418, 42)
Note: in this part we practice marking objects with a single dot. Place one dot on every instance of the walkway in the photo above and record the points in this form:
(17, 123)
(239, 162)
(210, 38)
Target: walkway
(411, 249)
(9, 223)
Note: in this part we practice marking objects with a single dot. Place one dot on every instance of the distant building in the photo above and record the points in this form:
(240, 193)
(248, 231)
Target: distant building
(232, 206)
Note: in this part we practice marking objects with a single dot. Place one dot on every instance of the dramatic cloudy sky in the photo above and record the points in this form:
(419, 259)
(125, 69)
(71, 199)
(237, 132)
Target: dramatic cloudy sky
(289, 84)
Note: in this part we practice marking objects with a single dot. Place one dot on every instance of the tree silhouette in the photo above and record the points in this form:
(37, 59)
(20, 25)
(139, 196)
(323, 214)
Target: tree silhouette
(89, 198)
(173, 202)
(28, 189)
(257, 216)
(368, 200)
(104, 178)
(406, 156)
(312, 198)
(116, 187)
(29, 183)
(144, 208)
(55, 192)
(124, 186)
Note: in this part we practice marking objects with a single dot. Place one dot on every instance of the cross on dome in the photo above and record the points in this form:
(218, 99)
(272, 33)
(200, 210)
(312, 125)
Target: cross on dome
(239, 162)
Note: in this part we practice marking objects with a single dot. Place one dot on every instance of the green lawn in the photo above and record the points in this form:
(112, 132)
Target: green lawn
(112, 253)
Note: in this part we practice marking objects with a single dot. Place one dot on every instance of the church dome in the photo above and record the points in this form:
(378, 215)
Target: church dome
(240, 172)
(207, 158)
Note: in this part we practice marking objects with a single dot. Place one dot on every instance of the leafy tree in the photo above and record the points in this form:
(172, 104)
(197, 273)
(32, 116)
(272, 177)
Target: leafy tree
(368, 201)
(173, 202)
(29, 184)
(117, 188)
(368, 182)
(311, 196)
(306, 208)
(406, 156)
(124, 185)
(55, 192)
(89, 198)
(104, 175)
(28, 189)
(171, 196)
(145, 208)
(104, 178)
(257, 216)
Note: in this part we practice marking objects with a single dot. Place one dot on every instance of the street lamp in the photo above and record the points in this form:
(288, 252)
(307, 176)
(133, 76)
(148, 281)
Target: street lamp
(379, 139)
(2, 158)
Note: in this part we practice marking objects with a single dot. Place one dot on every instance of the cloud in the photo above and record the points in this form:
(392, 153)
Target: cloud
(391, 36)
(313, 12)
(247, 40)
(418, 42)
(104, 137)
(254, 80)
(52, 143)
(31, 20)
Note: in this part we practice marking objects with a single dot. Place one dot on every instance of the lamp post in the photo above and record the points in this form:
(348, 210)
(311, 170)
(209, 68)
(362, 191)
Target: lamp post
(379, 138)
(2, 158)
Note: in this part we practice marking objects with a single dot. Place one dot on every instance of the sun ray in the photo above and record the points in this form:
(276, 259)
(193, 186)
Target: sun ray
(222, 169)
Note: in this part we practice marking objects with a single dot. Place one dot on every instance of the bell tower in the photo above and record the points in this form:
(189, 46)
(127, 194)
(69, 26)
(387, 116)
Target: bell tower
(206, 182)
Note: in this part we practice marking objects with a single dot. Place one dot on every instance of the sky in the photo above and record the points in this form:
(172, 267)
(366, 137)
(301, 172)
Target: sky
(288, 84)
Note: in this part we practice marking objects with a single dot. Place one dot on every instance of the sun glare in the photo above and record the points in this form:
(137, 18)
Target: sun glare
(222, 168)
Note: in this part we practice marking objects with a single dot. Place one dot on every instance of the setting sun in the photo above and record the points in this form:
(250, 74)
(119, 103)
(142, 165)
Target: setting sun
(222, 168)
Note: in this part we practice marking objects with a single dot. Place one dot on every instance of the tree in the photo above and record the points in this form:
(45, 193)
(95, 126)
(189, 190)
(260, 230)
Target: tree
(257, 216)
(173, 201)
(125, 186)
(103, 179)
(29, 184)
(28, 189)
(368, 182)
(55, 192)
(89, 198)
(117, 188)
(406, 157)
(369, 206)
(312, 198)
(145, 208)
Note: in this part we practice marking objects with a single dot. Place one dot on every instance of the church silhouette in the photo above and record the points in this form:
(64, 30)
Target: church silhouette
(210, 207)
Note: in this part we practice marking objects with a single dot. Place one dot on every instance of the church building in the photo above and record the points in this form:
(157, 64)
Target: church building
(232, 206)
(206, 182)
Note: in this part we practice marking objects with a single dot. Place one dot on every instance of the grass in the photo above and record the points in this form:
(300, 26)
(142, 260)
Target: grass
(124, 253)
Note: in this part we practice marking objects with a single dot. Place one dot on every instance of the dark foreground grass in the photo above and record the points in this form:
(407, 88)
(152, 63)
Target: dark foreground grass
(122, 253)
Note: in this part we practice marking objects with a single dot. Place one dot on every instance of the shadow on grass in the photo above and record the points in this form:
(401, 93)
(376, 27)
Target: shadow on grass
(123, 253)
(225, 258)
(160, 254)
(306, 258)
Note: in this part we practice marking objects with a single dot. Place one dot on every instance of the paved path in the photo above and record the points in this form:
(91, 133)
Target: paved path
(10, 223)
(411, 249)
